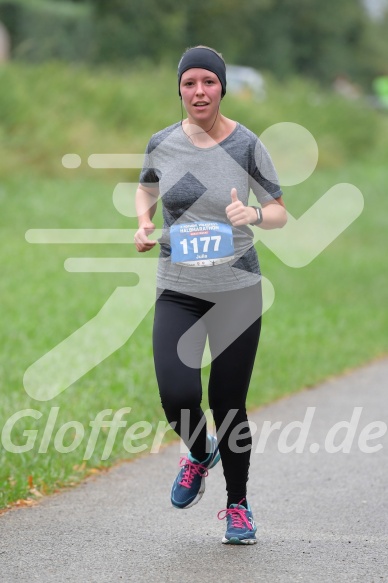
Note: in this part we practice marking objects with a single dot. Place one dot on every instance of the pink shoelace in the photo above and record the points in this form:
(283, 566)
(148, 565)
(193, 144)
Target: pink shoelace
(192, 469)
(238, 516)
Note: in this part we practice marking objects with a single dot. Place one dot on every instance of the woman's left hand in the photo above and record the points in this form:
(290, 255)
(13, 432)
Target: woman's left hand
(239, 214)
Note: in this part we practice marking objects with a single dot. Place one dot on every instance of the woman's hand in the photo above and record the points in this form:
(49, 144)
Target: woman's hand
(239, 214)
(141, 237)
(274, 213)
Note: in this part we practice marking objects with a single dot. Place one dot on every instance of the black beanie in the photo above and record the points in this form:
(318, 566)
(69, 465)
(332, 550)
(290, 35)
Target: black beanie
(201, 58)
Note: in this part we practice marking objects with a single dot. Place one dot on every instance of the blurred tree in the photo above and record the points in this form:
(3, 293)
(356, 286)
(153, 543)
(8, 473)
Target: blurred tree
(327, 37)
(41, 29)
(309, 37)
(140, 28)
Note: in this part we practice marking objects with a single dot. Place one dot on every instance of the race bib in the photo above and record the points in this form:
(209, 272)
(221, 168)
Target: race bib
(201, 244)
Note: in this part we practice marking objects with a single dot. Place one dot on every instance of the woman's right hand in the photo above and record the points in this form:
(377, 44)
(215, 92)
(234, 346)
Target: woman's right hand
(141, 237)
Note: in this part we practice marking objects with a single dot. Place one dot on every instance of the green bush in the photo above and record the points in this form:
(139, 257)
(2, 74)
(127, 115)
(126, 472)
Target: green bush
(52, 108)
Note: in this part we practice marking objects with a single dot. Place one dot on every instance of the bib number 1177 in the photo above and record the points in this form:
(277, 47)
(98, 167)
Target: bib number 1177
(205, 247)
(201, 244)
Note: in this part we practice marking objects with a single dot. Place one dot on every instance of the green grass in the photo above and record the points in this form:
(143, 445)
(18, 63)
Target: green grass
(327, 317)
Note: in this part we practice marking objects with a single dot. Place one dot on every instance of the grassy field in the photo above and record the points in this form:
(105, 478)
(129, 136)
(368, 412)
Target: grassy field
(327, 317)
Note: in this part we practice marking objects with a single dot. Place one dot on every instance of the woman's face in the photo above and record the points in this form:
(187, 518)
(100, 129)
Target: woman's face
(201, 94)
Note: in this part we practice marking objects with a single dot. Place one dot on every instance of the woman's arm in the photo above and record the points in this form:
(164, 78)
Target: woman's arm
(274, 214)
(146, 201)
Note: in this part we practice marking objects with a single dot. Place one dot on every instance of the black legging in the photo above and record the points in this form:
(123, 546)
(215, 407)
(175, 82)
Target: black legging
(233, 328)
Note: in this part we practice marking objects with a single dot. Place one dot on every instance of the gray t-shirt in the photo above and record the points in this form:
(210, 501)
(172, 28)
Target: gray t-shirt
(195, 185)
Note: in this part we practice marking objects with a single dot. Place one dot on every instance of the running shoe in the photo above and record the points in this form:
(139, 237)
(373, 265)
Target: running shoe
(241, 528)
(189, 485)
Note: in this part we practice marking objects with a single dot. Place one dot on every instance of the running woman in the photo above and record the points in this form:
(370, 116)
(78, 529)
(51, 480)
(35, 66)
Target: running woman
(208, 280)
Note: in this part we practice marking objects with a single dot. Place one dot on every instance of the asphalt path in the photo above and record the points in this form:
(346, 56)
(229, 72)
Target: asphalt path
(322, 515)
